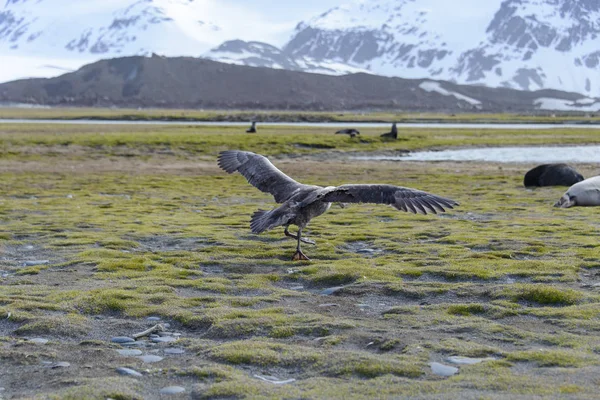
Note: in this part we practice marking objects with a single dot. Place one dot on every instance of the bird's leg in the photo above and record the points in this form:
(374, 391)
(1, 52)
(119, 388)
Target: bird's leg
(288, 234)
(299, 255)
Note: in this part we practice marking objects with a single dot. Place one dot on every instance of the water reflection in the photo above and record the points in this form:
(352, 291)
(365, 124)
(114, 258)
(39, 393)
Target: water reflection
(332, 125)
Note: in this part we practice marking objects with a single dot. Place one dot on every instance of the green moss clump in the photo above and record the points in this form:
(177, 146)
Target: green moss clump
(466, 309)
(545, 294)
(550, 358)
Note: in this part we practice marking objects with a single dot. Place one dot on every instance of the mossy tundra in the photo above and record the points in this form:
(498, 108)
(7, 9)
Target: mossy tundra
(138, 221)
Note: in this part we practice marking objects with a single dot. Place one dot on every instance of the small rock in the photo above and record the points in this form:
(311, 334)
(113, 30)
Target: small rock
(331, 290)
(274, 380)
(443, 370)
(165, 333)
(128, 371)
(61, 364)
(150, 358)
(33, 263)
(297, 287)
(129, 352)
(466, 360)
(172, 390)
(122, 339)
(174, 350)
(38, 341)
(327, 305)
(153, 319)
(137, 343)
(163, 339)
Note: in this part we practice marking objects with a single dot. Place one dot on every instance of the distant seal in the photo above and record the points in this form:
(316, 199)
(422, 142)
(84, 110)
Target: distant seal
(351, 132)
(393, 134)
(552, 175)
(252, 128)
(585, 193)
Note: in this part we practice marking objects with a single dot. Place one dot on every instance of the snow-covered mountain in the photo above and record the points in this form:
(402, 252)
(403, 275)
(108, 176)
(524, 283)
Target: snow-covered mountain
(64, 28)
(522, 44)
(67, 34)
(259, 54)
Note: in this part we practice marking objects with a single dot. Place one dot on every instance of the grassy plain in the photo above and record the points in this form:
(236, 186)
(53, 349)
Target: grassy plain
(293, 116)
(138, 221)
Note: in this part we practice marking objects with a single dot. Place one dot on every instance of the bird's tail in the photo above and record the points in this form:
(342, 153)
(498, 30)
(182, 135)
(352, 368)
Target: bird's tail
(264, 220)
(260, 221)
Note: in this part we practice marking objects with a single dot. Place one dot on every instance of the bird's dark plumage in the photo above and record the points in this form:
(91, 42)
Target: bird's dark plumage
(552, 175)
(393, 133)
(401, 198)
(301, 203)
(260, 173)
(351, 132)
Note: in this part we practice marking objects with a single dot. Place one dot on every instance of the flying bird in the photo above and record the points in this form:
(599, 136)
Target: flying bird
(393, 134)
(300, 203)
(252, 128)
(351, 132)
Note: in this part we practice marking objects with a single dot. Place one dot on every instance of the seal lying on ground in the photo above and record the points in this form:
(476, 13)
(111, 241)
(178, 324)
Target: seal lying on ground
(585, 193)
(552, 175)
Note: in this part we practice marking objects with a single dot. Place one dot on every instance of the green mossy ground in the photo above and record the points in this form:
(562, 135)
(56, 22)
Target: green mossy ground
(289, 116)
(139, 221)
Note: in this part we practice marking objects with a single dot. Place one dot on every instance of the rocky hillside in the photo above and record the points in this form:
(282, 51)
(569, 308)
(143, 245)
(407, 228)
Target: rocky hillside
(199, 83)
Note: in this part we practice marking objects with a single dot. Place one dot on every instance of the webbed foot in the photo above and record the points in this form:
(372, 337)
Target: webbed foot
(300, 256)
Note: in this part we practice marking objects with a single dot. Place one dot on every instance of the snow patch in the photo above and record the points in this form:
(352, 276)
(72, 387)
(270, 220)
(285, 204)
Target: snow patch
(549, 103)
(430, 86)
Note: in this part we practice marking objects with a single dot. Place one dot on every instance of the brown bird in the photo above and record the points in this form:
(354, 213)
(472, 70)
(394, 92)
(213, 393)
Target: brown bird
(300, 203)
(351, 132)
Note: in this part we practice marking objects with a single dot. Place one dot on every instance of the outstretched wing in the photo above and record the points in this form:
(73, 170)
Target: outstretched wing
(405, 199)
(260, 173)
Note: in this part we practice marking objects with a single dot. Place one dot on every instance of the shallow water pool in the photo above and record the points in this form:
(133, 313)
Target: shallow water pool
(528, 154)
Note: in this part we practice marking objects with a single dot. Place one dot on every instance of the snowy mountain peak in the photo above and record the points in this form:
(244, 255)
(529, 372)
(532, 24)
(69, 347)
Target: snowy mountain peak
(522, 44)
(111, 27)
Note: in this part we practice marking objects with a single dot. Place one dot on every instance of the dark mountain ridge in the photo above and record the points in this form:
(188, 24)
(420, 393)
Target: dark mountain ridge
(185, 82)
